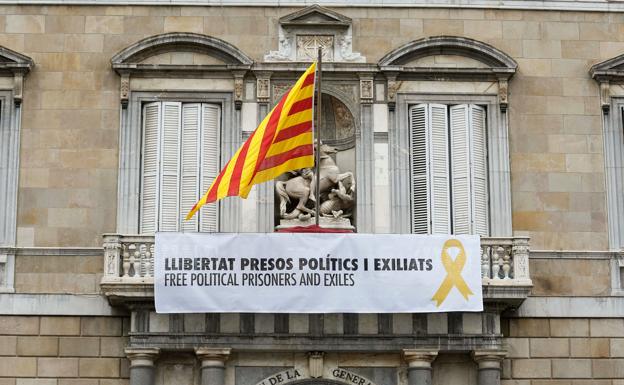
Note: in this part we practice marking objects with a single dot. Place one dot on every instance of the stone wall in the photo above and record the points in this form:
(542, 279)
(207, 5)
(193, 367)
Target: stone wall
(76, 274)
(63, 350)
(69, 155)
(564, 351)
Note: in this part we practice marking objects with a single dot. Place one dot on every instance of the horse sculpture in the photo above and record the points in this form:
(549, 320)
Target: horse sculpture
(336, 189)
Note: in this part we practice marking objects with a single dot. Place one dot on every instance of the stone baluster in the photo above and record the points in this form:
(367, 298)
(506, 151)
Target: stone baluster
(419, 365)
(520, 253)
(142, 369)
(212, 365)
(489, 362)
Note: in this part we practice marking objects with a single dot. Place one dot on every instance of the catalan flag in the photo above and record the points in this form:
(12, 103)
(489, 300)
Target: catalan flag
(282, 142)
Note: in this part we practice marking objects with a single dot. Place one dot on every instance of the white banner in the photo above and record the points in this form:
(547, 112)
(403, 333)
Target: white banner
(316, 273)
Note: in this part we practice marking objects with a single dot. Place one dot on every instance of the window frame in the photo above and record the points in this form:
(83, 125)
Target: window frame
(498, 173)
(131, 149)
(613, 137)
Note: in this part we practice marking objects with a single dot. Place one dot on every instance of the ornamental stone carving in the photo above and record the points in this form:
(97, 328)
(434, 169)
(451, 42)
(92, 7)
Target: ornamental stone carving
(303, 32)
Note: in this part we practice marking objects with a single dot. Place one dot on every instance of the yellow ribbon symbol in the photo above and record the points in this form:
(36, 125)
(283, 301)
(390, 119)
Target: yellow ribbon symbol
(453, 269)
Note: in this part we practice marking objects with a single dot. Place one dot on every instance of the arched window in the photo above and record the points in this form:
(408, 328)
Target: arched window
(447, 99)
(180, 94)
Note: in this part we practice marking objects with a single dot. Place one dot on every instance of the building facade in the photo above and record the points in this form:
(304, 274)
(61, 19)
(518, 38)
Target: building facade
(502, 119)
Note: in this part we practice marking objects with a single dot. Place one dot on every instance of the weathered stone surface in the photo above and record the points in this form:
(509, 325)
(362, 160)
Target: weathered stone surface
(19, 325)
(99, 367)
(517, 347)
(550, 347)
(552, 277)
(79, 346)
(608, 368)
(113, 346)
(531, 368)
(607, 327)
(569, 327)
(8, 345)
(57, 367)
(529, 327)
(18, 366)
(60, 325)
(589, 347)
(571, 368)
(101, 326)
(37, 346)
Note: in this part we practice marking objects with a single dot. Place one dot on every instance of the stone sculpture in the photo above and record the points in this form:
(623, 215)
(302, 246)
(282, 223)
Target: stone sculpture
(337, 194)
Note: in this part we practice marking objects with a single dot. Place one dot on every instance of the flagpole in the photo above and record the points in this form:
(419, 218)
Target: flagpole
(317, 131)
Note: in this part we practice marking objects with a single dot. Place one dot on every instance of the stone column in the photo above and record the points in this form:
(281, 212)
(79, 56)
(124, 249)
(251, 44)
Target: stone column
(142, 369)
(419, 365)
(212, 365)
(489, 362)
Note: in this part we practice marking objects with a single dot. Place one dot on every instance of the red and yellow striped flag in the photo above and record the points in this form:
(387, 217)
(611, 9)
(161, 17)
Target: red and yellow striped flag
(282, 142)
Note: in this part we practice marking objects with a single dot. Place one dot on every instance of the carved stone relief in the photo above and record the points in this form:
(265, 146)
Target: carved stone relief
(303, 32)
(308, 45)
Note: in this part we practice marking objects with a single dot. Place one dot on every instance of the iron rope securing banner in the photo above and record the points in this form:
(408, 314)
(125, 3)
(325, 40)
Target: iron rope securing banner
(316, 273)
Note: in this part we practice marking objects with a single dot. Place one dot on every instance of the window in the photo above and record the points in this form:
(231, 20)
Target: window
(180, 158)
(448, 169)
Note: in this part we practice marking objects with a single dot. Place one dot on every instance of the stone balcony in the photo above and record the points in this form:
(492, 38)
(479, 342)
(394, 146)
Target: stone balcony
(129, 269)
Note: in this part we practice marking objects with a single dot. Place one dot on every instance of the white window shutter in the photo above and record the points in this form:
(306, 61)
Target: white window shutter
(460, 168)
(439, 169)
(211, 128)
(170, 166)
(418, 168)
(149, 185)
(190, 153)
(479, 171)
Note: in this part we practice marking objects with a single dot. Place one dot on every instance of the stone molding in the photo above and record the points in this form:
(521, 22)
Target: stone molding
(496, 59)
(213, 357)
(605, 73)
(564, 5)
(130, 56)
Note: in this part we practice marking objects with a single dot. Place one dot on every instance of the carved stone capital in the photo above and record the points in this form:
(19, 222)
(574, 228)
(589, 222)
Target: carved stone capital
(488, 359)
(316, 364)
(18, 88)
(142, 356)
(213, 357)
(366, 88)
(503, 94)
(239, 76)
(263, 86)
(605, 96)
(392, 87)
(419, 359)
(124, 90)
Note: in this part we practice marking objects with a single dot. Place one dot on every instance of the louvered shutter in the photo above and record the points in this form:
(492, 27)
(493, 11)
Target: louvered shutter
(149, 185)
(439, 169)
(460, 168)
(211, 127)
(190, 153)
(418, 168)
(170, 166)
(479, 171)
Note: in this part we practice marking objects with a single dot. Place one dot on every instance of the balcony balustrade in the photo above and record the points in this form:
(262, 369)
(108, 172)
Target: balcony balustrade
(129, 268)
